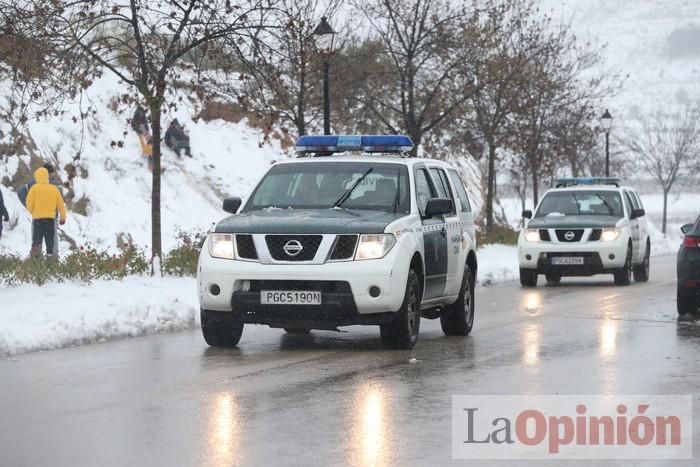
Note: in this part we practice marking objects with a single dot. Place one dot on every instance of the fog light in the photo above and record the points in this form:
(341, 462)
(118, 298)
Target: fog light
(528, 257)
(214, 290)
(611, 256)
(375, 291)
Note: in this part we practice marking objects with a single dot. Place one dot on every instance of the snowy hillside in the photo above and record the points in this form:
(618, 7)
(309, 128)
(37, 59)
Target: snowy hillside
(655, 43)
(227, 160)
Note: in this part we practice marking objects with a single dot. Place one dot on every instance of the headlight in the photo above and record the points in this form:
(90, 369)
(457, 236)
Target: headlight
(374, 246)
(610, 235)
(221, 246)
(532, 235)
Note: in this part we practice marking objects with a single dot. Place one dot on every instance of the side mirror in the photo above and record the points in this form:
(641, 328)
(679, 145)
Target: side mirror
(637, 213)
(687, 228)
(231, 205)
(438, 207)
(527, 214)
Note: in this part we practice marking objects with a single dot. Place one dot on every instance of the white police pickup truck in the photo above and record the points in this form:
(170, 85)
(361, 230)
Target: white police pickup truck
(582, 227)
(329, 239)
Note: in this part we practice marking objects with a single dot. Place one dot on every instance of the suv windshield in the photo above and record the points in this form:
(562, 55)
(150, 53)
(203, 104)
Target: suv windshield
(581, 203)
(319, 185)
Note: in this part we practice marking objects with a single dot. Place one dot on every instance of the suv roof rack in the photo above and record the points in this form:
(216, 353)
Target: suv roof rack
(326, 145)
(574, 181)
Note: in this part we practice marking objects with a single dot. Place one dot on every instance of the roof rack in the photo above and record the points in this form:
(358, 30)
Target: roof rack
(326, 145)
(574, 181)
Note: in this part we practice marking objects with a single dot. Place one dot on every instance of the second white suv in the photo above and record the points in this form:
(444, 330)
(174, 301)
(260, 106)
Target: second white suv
(583, 227)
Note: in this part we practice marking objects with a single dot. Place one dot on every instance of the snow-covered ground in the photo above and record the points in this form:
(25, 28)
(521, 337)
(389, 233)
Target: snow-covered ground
(65, 315)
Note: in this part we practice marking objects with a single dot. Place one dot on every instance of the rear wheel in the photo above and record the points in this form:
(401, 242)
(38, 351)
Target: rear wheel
(221, 328)
(528, 278)
(641, 271)
(402, 331)
(624, 277)
(686, 302)
(458, 319)
(297, 330)
(553, 279)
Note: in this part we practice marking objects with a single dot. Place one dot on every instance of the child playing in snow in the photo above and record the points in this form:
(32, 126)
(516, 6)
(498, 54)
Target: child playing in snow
(3, 213)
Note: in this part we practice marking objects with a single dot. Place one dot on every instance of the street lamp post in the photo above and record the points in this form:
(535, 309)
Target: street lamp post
(606, 120)
(324, 36)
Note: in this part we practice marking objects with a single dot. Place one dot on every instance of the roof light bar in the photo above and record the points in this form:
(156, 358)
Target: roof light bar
(366, 143)
(564, 182)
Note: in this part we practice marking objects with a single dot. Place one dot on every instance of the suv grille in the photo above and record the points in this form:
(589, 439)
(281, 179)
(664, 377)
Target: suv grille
(344, 247)
(595, 235)
(563, 235)
(293, 247)
(246, 247)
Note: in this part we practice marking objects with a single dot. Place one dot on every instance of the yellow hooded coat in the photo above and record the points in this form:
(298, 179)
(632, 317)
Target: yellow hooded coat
(44, 199)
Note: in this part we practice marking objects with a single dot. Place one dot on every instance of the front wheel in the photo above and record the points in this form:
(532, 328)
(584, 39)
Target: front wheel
(297, 330)
(402, 331)
(528, 278)
(641, 271)
(458, 319)
(624, 277)
(221, 328)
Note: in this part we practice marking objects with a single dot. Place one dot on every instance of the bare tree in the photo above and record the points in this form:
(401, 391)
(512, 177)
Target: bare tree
(423, 45)
(144, 43)
(666, 146)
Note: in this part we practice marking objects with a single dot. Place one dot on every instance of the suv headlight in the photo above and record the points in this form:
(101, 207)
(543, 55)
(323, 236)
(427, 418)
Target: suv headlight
(610, 235)
(221, 246)
(374, 246)
(532, 235)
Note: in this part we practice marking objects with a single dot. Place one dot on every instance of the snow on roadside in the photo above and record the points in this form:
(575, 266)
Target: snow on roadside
(70, 314)
(497, 263)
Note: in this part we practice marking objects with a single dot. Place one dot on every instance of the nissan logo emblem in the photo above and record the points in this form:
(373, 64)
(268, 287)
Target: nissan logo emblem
(292, 248)
(569, 235)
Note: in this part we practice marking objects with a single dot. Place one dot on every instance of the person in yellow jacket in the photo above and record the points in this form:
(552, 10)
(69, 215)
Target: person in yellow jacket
(43, 202)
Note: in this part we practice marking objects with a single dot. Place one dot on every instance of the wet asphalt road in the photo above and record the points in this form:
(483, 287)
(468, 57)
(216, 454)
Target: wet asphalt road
(340, 399)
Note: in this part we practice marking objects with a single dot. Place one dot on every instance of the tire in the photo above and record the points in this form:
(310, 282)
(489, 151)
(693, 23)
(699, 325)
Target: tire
(221, 328)
(402, 331)
(624, 277)
(528, 278)
(641, 271)
(686, 302)
(297, 330)
(458, 319)
(553, 279)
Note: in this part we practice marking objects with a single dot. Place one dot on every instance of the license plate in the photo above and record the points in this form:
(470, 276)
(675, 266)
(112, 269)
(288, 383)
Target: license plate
(289, 297)
(567, 260)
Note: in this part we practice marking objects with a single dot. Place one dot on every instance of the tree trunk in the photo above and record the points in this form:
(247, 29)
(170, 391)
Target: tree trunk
(663, 220)
(535, 184)
(156, 245)
(416, 138)
(491, 185)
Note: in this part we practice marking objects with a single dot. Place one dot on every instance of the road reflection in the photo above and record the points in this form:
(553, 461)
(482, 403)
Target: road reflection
(531, 342)
(607, 337)
(224, 430)
(371, 430)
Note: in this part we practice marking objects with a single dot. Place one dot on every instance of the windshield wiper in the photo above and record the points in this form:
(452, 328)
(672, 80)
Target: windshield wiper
(344, 197)
(605, 202)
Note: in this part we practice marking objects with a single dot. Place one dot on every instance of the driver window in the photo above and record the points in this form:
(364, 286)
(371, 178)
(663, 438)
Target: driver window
(424, 191)
(628, 203)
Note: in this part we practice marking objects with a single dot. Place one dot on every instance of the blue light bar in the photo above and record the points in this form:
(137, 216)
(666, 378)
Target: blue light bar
(341, 143)
(564, 182)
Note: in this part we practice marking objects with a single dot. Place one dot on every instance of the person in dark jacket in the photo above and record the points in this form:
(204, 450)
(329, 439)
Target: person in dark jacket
(4, 215)
(139, 122)
(176, 139)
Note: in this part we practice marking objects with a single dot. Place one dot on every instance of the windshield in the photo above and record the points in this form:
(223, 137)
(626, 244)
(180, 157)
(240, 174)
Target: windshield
(581, 203)
(319, 185)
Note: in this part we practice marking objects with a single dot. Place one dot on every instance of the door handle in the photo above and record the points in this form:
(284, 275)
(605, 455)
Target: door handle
(443, 232)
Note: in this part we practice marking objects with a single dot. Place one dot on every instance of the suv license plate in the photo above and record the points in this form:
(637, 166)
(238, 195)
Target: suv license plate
(289, 297)
(567, 260)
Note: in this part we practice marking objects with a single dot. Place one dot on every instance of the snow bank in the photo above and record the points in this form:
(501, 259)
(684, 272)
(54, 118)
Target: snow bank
(69, 314)
(497, 263)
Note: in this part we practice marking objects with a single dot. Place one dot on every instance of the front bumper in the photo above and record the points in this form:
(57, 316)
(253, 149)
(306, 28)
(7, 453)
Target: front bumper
(599, 257)
(344, 285)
